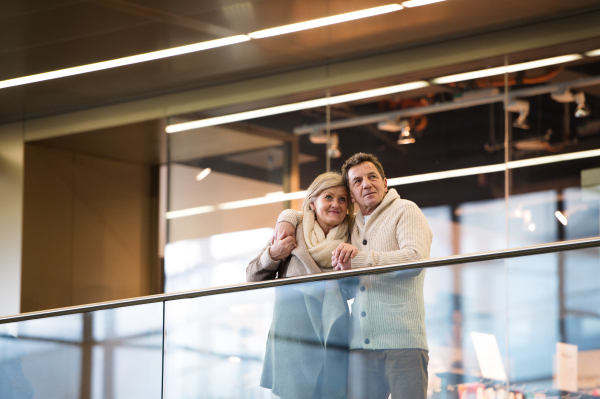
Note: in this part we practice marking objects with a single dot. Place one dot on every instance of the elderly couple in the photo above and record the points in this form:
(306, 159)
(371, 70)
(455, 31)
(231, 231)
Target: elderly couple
(307, 352)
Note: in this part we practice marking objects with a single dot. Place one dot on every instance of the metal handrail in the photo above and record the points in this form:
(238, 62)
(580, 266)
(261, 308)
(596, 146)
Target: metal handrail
(429, 263)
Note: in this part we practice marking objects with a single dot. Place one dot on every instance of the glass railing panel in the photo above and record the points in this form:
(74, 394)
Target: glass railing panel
(115, 353)
(42, 357)
(528, 325)
(458, 306)
(492, 327)
(554, 323)
(215, 345)
(271, 342)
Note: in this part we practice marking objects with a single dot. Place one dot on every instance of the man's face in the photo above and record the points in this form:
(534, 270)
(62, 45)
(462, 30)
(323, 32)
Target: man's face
(367, 188)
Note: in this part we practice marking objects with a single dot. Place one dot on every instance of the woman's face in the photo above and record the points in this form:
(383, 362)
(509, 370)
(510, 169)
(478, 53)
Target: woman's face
(331, 207)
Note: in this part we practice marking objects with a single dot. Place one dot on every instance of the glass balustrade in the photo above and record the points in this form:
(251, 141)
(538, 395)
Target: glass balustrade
(519, 327)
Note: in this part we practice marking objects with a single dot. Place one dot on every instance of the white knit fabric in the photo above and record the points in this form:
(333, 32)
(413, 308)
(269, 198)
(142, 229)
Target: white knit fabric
(392, 303)
(320, 246)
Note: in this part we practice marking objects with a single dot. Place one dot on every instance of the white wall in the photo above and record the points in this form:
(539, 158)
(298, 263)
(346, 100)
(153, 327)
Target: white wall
(185, 192)
(11, 212)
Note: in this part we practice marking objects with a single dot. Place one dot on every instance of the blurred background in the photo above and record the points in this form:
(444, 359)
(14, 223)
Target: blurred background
(122, 177)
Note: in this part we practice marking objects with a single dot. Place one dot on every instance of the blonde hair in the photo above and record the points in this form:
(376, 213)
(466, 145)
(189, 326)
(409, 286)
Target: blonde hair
(321, 183)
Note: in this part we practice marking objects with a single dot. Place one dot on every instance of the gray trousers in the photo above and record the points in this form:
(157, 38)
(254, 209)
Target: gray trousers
(374, 374)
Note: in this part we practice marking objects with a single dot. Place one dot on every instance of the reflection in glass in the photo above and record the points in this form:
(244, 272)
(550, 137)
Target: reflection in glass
(246, 162)
(554, 298)
(215, 346)
(114, 353)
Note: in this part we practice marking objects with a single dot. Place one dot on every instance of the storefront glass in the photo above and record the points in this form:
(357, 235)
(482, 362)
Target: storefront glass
(495, 160)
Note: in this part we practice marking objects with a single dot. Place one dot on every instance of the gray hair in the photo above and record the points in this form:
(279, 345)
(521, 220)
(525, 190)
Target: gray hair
(321, 183)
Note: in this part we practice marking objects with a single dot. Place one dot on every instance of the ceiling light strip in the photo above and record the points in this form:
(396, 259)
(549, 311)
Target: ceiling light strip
(134, 59)
(219, 120)
(398, 181)
(553, 158)
(593, 53)
(317, 23)
(417, 3)
(269, 199)
(321, 102)
(259, 113)
(191, 211)
(155, 55)
(508, 69)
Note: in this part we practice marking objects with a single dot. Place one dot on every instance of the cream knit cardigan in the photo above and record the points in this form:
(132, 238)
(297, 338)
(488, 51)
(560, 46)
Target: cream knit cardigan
(388, 311)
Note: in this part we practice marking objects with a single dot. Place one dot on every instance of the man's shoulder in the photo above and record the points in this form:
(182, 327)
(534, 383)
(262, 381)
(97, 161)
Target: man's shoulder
(400, 204)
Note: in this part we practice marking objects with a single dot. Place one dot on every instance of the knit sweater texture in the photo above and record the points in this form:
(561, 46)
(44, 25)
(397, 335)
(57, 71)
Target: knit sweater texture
(388, 311)
(300, 263)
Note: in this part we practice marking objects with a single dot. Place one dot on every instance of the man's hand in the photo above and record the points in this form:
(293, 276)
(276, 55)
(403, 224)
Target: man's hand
(287, 229)
(282, 247)
(342, 256)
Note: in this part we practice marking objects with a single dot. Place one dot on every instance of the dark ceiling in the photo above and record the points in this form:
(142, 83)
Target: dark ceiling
(40, 36)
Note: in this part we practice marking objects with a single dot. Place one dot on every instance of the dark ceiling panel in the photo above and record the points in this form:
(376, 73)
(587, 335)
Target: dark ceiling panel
(39, 38)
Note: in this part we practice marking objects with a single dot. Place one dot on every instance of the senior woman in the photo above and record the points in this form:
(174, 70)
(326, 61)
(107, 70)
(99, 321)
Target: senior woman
(306, 355)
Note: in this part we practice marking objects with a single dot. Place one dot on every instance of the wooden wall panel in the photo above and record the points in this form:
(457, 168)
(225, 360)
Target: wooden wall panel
(87, 235)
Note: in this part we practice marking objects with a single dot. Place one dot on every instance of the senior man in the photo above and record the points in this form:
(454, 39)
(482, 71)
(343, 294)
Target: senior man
(388, 344)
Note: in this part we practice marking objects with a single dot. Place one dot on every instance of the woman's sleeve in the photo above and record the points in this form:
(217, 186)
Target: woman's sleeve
(262, 267)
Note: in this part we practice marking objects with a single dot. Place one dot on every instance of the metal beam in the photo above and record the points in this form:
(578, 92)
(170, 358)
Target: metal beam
(442, 107)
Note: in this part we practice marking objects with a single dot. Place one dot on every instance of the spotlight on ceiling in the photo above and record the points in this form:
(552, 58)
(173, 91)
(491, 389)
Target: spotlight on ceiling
(319, 137)
(582, 110)
(334, 151)
(391, 125)
(563, 95)
(402, 126)
(405, 136)
(522, 108)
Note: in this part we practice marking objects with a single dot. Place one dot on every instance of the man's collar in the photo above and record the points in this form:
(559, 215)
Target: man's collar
(390, 197)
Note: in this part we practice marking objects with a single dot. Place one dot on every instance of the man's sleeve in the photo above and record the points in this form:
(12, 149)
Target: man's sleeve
(414, 239)
(290, 216)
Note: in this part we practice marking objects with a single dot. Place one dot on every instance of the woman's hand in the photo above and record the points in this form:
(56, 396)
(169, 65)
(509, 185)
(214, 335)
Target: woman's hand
(282, 247)
(342, 256)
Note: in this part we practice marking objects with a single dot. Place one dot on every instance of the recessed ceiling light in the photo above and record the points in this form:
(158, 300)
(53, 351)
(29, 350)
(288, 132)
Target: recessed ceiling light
(281, 109)
(417, 3)
(506, 69)
(316, 23)
(134, 59)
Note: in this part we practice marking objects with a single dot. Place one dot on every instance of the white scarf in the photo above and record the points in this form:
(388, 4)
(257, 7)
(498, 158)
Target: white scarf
(320, 246)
